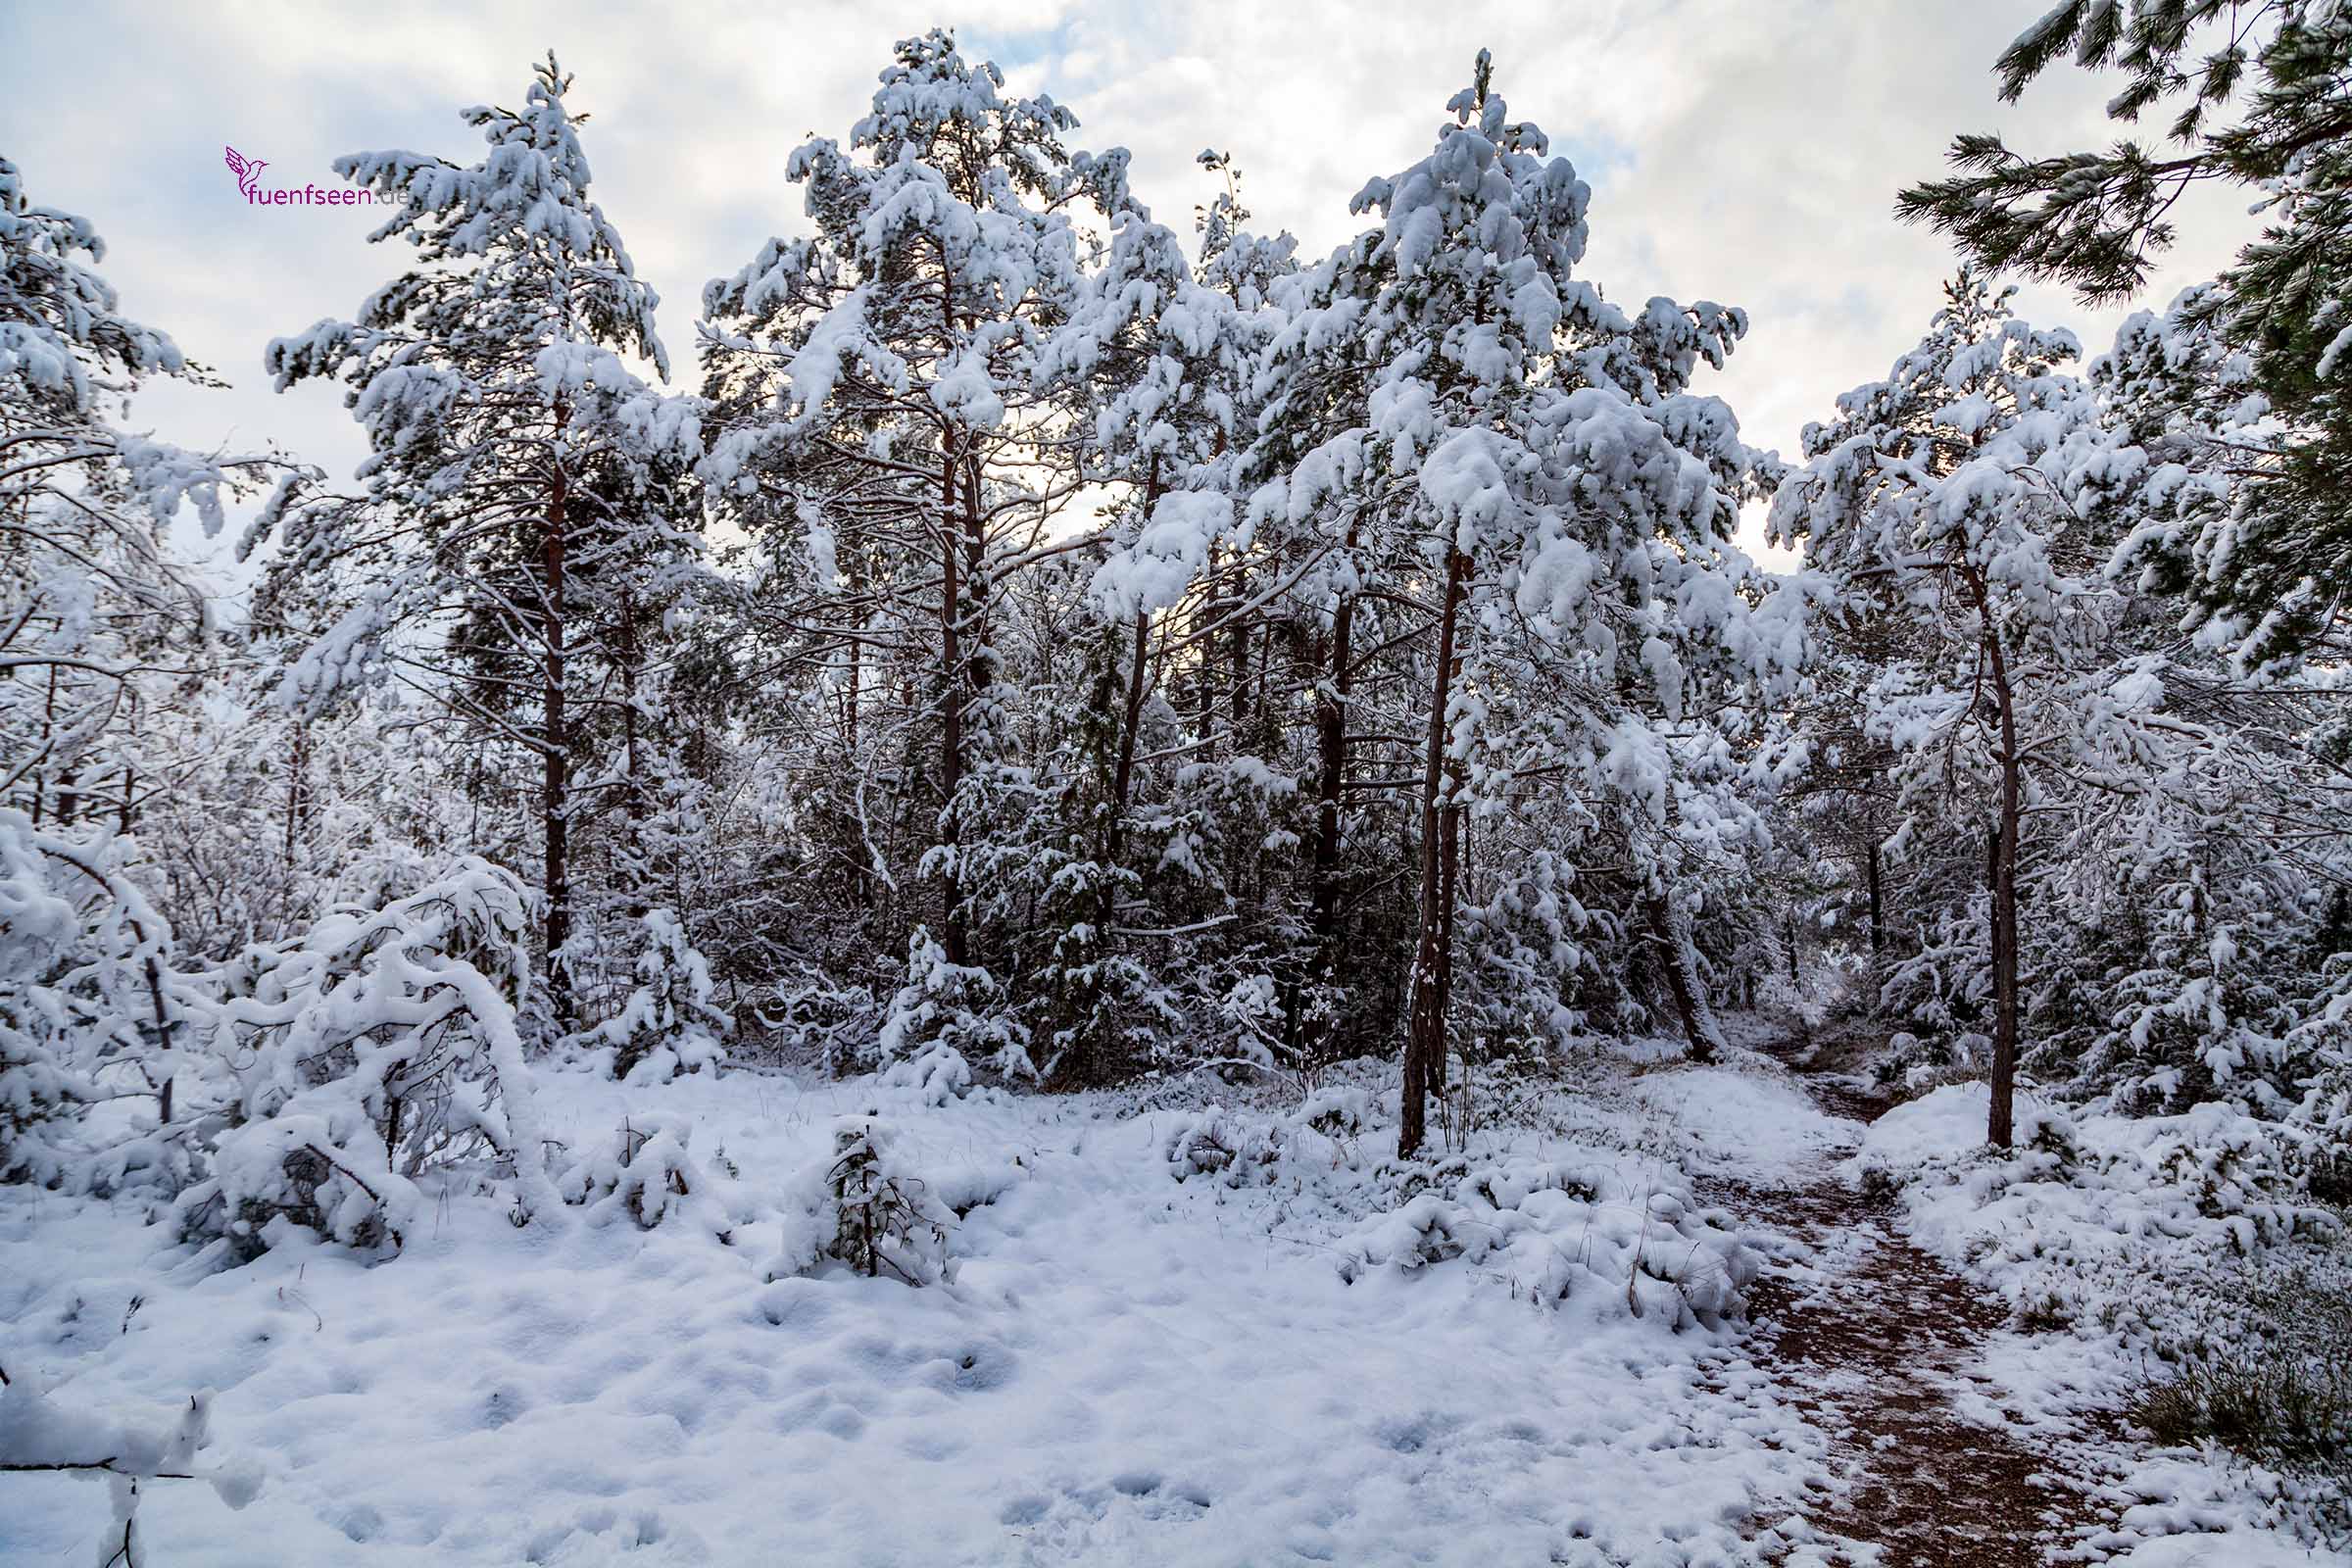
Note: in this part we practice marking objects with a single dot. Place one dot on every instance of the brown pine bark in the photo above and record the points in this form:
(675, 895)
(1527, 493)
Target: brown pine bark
(1679, 981)
(1425, 1035)
(554, 804)
(950, 729)
(2002, 878)
(1331, 771)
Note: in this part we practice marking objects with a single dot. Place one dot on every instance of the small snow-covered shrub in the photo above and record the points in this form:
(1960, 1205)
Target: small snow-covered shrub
(938, 1074)
(376, 1048)
(836, 1022)
(868, 1208)
(669, 1024)
(2269, 1373)
(1216, 1142)
(87, 996)
(38, 1097)
(2114, 1226)
(647, 1171)
(1559, 1232)
(1337, 1111)
(39, 1434)
(321, 1172)
(945, 1014)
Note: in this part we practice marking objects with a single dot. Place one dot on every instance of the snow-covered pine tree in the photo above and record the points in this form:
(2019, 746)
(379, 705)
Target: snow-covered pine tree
(2254, 96)
(1570, 503)
(521, 472)
(1961, 495)
(1161, 362)
(99, 619)
(669, 1024)
(889, 428)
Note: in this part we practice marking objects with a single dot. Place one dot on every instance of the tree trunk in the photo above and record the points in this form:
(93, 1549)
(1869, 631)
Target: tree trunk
(1425, 1036)
(297, 789)
(1206, 697)
(1878, 940)
(2000, 1122)
(1999, 1129)
(1450, 860)
(1682, 977)
(950, 730)
(1131, 718)
(124, 809)
(555, 808)
(1331, 771)
(633, 797)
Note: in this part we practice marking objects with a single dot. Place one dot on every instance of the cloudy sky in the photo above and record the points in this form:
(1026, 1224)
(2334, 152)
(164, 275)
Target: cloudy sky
(1745, 151)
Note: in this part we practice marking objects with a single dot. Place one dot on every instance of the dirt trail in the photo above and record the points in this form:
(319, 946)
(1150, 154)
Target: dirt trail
(1871, 1340)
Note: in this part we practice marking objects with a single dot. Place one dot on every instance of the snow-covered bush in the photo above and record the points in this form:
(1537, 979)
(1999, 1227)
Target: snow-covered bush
(87, 992)
(38, 1097)
(1559, 1232)
(1235, 1148)
(2113, 1224)
(867, 1206)
(39, 1434)
(834, 1021)
(1337, 1111)
(945, 1014)
(669, 1024)
(377, 1048)
(647, 1171)
(2265, 1368)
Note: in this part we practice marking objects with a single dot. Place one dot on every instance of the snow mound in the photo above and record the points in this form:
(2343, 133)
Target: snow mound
(1551, 1229)
(875, 1207)
(646, 1171)
(1215, 1142)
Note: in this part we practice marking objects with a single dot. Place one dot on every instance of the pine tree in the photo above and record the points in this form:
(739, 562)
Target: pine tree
(522, 473)
(889, 424)
(1562, 505)
(99, 623)
(2255, 99)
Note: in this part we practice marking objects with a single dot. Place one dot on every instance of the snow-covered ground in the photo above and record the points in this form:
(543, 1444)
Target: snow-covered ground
(1125, 1368)
(1233, 1368)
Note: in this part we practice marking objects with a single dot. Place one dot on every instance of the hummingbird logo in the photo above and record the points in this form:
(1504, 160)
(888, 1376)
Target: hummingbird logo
(247, 170)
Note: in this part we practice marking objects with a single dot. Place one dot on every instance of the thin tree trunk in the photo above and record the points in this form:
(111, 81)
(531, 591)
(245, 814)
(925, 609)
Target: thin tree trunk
(951, 739)
(123, 807)
(1331, 773)
(633, 796)
(1878, 938)
(1207, 698)
(1682, 979)
(2001, 1125)
(1425, 1036)
(555, 807)
(1132, 718)
(1450, 860)
(2000, 1128)
(48, 729)
(297, 787)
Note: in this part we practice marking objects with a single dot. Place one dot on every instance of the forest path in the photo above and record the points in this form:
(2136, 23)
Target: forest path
(1873, 1339)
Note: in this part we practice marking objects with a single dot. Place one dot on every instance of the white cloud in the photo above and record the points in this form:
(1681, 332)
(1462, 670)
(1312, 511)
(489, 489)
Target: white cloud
(1741, 150)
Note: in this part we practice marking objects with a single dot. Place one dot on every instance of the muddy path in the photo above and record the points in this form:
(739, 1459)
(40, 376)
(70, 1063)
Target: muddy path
(1872, 1339)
